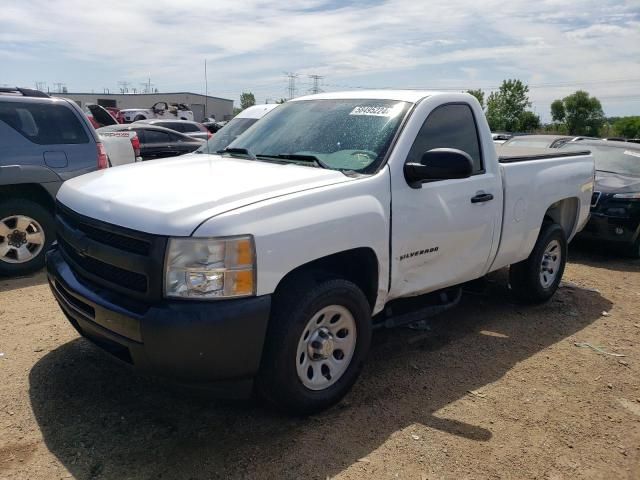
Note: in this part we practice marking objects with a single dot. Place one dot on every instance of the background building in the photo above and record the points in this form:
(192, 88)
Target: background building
(221, 108)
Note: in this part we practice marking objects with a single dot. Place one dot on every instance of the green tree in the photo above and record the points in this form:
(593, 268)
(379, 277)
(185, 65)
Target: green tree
(628, 127)
(583, 114)
(557, 111)
(479, 94)
(529, 121)
(506, 107)
(247, 100)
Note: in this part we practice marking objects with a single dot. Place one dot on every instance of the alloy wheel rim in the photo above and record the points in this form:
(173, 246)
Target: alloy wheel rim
(326, 347)
(21, 239)
(550, 263)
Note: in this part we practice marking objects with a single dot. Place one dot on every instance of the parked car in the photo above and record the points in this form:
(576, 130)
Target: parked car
(189, 128)
(44, 141)
(171, 111)
(99, 116)
(157, 142)
(235, 127)
(115, 113)
(276, 260)
(615, 205)
(122, 147)
(499, 137)
(543, 141)
(213, 127)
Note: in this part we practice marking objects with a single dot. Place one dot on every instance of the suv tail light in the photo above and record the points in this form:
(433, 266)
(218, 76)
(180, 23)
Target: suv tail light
(135, 143)
(209, 135)
(103, 160)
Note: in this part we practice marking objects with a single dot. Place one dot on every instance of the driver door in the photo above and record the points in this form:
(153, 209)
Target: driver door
(442, 235)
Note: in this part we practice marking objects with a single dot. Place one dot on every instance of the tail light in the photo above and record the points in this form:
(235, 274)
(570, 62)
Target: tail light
(103, 161)
(209, 135)
(135, 143)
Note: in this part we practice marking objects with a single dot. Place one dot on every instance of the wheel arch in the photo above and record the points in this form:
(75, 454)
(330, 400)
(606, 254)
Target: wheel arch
(565, 213)
(358, 265)
(29, 191)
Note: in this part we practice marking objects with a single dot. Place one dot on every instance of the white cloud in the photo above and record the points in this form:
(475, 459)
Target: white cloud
(398, 43)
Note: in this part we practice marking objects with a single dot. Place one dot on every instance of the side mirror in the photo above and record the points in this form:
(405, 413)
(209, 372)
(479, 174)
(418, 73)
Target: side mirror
(438, 164)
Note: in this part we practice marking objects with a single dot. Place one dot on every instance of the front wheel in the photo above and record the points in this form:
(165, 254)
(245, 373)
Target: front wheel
(536, 279)
(26, 231)
(139, 117)
(318, 338)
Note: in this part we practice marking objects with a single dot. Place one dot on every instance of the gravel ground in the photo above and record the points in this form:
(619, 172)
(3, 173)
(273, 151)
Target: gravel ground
(493, 390)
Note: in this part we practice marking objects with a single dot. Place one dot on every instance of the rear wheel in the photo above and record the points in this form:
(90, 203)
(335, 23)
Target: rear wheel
(536, 279)
(26, 231)
(318, 339)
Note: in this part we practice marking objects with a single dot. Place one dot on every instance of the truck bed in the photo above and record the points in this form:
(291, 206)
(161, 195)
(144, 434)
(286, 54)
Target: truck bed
(524, 154)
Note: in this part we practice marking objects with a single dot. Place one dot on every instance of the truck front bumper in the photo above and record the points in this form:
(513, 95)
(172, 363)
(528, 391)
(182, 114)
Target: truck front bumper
(216, 344)
(619, 230)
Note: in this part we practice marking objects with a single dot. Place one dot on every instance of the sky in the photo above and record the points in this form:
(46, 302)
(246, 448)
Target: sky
(555, 46)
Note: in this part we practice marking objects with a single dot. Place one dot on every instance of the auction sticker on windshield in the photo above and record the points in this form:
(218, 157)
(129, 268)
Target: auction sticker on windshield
(377, 110)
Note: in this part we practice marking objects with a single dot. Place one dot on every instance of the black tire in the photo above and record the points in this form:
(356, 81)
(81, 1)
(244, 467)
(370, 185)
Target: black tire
(525, 277)
(139, 117)
(41, 215)
(294, 306)
(634, 249)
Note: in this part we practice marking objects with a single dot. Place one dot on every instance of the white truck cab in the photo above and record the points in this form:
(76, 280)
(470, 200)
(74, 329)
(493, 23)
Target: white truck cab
(267, 266)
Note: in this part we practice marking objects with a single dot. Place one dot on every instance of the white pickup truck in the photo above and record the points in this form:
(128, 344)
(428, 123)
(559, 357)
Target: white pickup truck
(121, 147)
(267, 267)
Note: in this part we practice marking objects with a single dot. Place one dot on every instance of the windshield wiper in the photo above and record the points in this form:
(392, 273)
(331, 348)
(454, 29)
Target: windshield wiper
(609, 171)
(299, 157)
(238, 151)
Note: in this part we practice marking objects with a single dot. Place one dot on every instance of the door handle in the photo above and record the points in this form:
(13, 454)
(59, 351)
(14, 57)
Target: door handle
(481, 198)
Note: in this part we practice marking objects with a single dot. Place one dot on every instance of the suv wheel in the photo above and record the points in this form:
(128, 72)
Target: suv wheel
(26, 231)
(139, 117)
(318, 338)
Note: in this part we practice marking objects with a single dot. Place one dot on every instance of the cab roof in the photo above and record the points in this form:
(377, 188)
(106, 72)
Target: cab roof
(412, 96)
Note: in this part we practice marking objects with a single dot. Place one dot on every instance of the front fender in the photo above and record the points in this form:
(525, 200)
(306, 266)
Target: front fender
(295, 229)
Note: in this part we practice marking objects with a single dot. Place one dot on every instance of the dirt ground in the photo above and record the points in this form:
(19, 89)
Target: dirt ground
(493, 390)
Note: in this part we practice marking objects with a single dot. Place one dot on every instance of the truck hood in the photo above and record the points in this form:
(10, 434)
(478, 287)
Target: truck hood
(174, 196)
(607, 182)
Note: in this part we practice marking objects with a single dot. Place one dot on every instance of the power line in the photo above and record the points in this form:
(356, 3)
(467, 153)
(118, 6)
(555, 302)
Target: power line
(575, 83)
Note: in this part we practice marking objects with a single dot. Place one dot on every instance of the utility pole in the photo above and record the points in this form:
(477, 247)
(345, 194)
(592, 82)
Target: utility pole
(292, 83)
(147, 86)
(59, 87)
(206, 89)
(316, 83)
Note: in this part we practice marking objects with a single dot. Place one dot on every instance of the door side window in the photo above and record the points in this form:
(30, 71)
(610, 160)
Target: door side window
(44, 124)
(449, 126)
(155, 136)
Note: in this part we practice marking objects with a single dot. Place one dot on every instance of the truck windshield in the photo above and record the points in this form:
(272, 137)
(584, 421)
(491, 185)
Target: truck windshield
(227, 134)
(345, 134)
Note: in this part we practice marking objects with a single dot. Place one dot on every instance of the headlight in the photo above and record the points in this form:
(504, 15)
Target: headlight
(628, 196)
(210, 268)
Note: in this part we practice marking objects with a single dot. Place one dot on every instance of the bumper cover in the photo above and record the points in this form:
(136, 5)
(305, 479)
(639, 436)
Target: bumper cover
(603, 227)
(216, 342)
